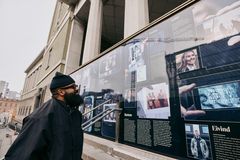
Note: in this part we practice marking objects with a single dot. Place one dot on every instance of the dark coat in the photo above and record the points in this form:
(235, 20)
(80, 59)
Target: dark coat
(51, 132)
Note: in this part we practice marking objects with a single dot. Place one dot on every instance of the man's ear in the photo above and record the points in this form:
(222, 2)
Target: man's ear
(60, 92)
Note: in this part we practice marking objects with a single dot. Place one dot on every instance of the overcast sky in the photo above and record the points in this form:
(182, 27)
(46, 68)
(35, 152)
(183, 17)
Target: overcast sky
(24, 29)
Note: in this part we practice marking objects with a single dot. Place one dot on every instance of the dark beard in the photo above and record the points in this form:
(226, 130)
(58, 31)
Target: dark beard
(73, 99)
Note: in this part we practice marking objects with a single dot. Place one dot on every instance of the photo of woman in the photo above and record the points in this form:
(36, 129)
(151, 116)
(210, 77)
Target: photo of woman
(187, 61)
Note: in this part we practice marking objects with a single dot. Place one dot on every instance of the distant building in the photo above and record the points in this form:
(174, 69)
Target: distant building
(3, 89)
(13, 95)
(5, 92)
(8, 108)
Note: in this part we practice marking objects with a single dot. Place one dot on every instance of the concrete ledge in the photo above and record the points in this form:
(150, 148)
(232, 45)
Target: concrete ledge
(92, 153)
(117, 150)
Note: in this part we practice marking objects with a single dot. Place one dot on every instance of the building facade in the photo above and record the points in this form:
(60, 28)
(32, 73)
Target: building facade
(8, 109)
(173, 66)
(31, 94)
(81, 31)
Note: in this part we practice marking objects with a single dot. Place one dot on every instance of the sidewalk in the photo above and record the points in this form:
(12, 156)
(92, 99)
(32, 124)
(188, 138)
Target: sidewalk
(96, 148)
(6, 142)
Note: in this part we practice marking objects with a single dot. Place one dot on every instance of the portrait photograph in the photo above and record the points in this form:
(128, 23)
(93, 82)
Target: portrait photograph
(198, 141)
(187, 61)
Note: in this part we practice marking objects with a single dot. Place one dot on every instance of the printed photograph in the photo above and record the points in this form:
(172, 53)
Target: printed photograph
(110, 117)
(109, 65)
(222, 96)
(153, 101)
(198, 141)
(187, 61)
(88, 105)
(136, 58)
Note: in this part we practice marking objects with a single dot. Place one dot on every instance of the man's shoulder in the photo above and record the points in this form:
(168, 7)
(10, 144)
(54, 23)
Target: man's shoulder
(45, 109)
(203, 140)
(193, 138)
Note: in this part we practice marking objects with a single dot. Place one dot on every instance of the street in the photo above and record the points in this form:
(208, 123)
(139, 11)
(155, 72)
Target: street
(6, 141)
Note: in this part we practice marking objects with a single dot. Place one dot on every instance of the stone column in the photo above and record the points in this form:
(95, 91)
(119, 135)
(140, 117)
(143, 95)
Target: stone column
(136, 16)
(74, 47)
(94, 29)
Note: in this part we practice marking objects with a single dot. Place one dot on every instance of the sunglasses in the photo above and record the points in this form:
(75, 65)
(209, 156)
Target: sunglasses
(74, 86)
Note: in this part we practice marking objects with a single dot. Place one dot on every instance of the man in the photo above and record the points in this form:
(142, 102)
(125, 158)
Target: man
(53, 131)
(199, 147)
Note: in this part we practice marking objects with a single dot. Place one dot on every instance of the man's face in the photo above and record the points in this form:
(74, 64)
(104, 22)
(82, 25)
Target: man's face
(196, 133)
(71, 96)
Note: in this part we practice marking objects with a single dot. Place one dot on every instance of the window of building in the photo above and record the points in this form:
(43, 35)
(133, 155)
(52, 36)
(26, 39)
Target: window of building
(29, 110)
(49, 58)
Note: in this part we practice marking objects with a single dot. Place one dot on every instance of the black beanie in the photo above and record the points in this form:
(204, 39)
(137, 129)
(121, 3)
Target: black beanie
(60, 80)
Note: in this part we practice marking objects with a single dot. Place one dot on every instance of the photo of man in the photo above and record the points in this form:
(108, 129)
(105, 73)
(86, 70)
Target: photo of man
(199, 146)
(198, 141)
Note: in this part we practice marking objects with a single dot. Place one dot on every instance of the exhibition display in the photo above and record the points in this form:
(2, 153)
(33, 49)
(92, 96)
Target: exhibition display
(177, 82)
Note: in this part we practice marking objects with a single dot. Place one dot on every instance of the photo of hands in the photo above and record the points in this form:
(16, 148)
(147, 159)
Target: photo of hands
(188, 110)
(219, 96)
(217, 102)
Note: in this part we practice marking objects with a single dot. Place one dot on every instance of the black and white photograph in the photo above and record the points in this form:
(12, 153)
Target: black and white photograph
(220, 96)
(136, 58)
